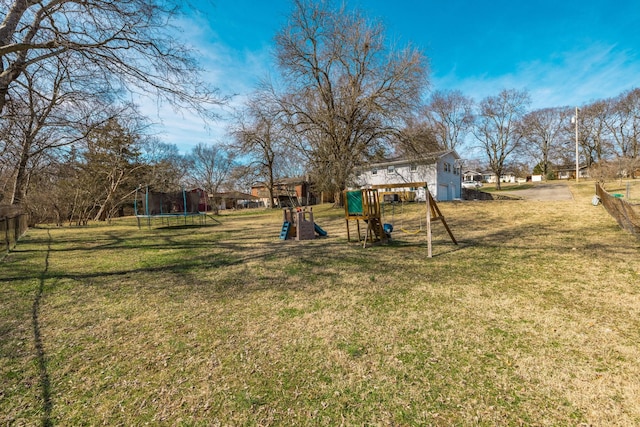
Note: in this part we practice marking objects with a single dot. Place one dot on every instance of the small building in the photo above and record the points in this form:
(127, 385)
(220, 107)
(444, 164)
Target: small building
(490, 177)
(470, 175)
(234, 200)
(569, 171)
(440, 170)
(204, 203)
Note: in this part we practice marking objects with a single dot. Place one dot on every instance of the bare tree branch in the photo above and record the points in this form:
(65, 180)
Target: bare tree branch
(346, 91)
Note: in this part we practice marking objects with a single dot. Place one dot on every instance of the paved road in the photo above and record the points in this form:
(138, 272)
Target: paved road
(544, 192)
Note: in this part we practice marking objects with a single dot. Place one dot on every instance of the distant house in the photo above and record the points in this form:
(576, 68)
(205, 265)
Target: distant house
(234, 200)
(287, 192)
(490, 177)
(469, 175)
(203, 199)
(441, 171)
(569, 171)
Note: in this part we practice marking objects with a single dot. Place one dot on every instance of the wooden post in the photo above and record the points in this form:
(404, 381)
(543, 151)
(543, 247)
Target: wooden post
(429, 251)
(348, 235)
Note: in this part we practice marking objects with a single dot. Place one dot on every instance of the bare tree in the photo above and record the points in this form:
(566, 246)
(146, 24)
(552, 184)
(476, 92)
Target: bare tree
(91, 180)
(345, 90)
(112, 162)
(259, 134)
(209, 167)
(416, 139)
(241, 178)
(166, 168)
(63, 61)
(624, 123)
(450, 115)
(50, 114)
(51, 188)
(544, 135)
(593, 135)
(121, 44)
(498, 127)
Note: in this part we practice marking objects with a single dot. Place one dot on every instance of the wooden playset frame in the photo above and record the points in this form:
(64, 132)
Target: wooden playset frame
(369, 211)
(364, 205)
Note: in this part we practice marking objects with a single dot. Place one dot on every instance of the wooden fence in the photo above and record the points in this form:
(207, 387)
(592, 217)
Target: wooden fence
(626, 214)
(13, 224)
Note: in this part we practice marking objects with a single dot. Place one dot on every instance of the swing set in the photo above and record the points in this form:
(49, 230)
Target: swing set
(367, 207)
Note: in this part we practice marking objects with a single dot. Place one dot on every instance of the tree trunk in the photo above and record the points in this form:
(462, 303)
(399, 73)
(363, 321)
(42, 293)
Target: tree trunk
(7, 31)
(337, 199)
(115, 184)
(498, 175)
(22, 176)
(270, 189)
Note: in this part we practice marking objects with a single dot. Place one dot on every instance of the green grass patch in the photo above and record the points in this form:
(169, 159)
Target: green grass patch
(506, 186)
(532, 319)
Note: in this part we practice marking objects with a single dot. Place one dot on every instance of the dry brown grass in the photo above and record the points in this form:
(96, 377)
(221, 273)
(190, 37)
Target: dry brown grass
(533, 319)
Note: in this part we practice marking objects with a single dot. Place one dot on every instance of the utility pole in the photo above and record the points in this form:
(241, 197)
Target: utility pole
(577, 162)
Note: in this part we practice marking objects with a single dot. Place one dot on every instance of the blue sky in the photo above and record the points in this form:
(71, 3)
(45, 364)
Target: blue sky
(563, 52)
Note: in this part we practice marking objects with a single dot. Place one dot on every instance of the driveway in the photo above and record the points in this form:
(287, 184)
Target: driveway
(544, 192)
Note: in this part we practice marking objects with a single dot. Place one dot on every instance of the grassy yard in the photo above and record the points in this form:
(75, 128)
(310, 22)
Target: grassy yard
(533, 319)
(619, 186)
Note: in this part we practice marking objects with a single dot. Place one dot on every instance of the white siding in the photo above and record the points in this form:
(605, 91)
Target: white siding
(401, 173)
(449, 178)
(444, 172)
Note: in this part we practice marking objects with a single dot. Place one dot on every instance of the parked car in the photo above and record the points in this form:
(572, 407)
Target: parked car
(471, 184)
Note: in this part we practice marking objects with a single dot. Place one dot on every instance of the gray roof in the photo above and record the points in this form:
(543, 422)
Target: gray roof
(426, 159)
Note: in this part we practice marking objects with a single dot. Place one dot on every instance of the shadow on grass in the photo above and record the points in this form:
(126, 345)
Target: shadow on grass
(45, 383)
(114, 240)
(485, 235)
(185, 227)
(177, 268)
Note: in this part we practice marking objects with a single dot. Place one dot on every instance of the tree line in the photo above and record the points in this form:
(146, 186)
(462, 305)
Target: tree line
(74, 147)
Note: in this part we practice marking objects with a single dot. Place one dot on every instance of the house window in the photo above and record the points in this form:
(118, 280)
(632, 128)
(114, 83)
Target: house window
(413, 167)
(374, 171)
(391, 169)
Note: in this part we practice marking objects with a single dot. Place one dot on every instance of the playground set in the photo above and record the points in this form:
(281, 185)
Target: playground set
(298, 224)
(364, 205)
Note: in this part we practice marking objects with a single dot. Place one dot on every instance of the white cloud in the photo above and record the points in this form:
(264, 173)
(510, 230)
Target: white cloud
(570, 78)
(234, 72)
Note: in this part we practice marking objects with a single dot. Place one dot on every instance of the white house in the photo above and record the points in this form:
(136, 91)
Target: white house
(470, 175)
(490, 177)
(441, 171)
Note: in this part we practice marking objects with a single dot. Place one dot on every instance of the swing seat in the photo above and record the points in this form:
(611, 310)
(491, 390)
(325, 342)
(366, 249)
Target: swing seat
(388, 228)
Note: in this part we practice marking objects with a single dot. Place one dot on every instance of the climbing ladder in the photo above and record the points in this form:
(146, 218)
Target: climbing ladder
(285, 230)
